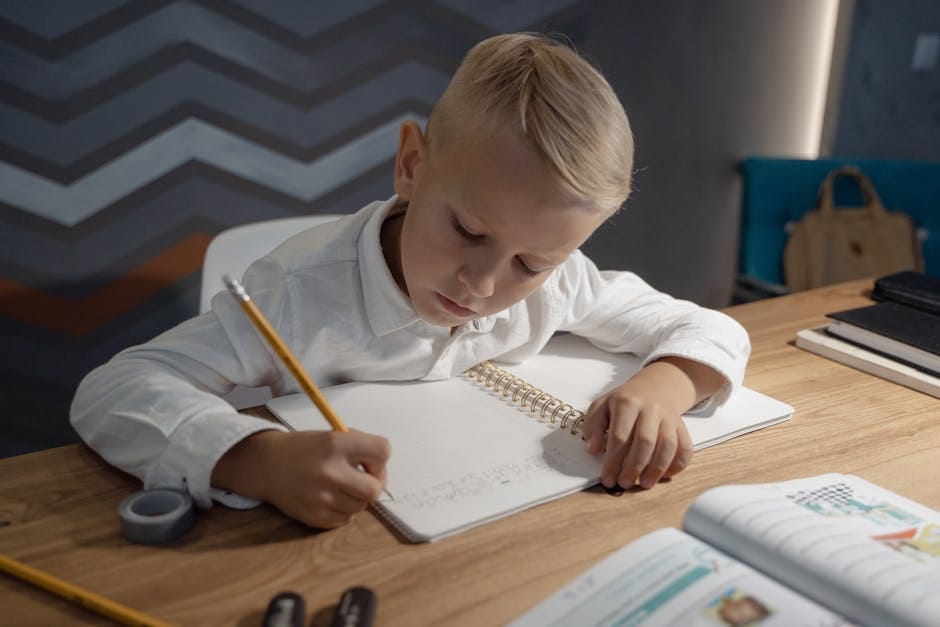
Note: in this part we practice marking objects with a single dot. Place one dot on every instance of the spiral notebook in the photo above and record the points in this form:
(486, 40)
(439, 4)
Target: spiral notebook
(469, 450)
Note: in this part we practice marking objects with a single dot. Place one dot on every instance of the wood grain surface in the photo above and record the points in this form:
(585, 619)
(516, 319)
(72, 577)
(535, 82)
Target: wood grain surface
(58, 510)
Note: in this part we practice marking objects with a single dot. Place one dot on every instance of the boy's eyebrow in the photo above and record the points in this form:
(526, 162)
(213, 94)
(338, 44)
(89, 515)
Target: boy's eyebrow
(454, 209)
(478, 228)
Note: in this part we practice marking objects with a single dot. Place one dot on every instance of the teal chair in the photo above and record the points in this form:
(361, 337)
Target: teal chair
(777, 192)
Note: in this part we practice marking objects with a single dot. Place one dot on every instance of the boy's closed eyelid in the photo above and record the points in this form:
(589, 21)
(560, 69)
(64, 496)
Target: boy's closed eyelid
(529, 269)
(465, 232)
(478, 237)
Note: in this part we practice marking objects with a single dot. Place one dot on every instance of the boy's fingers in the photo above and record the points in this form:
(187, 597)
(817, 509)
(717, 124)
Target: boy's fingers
(368, 446)
(683, 453)
(642, 446)
(597, 409)
(662, 457)
(362, 486)
(326, 519)
(371, 451)
(594, 426)
(343, 503)
(316, 512)
(619, 436)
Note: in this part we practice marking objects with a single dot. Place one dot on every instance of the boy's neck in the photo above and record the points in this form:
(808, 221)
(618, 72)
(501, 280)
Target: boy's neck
(390, 240)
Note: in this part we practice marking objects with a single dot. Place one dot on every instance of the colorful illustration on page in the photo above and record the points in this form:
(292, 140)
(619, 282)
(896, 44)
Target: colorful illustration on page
(840, 499)
(919, 543)
(737, 608)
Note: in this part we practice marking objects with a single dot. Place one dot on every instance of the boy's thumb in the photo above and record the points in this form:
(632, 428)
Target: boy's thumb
(368, 449)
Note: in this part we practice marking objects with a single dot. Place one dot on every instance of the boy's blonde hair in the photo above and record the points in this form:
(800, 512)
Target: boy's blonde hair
(548, 94)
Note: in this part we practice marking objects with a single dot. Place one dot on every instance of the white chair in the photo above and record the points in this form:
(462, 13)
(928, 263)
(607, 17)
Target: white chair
(231, 252)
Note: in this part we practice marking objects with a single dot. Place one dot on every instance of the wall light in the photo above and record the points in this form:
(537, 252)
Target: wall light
(819, 77)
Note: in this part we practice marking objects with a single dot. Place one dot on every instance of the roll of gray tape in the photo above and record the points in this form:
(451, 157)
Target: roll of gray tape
(156, 516)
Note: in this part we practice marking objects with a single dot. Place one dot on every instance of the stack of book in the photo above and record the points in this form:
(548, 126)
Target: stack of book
(897, 338)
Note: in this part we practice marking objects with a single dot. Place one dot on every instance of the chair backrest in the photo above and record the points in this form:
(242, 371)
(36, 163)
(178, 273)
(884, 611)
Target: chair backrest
(233, 250)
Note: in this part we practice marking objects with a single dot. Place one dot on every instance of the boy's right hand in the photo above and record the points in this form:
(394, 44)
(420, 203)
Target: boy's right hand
(312, 476)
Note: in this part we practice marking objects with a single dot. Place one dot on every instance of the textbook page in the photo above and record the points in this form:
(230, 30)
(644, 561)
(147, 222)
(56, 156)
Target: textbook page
(859, 549)
(670, 578)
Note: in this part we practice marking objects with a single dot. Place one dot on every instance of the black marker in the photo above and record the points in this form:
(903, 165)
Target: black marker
(286, 609)
(356, 608)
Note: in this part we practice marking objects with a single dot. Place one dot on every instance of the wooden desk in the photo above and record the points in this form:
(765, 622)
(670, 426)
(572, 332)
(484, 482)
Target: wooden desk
(58, 510)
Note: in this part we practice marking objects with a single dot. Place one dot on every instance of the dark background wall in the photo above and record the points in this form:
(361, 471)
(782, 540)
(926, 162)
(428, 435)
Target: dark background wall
(704, 84)
(888, 110)
(132, 131)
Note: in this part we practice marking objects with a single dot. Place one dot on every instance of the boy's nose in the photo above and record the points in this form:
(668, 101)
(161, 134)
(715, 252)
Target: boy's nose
(479, 280)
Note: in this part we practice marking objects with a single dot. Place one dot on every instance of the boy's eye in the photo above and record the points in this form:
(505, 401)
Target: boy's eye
(525, 267)
(473, 237)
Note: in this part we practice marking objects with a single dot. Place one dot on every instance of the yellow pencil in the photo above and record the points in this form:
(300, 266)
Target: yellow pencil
(77, 594)
(255, 315)
(262, 324)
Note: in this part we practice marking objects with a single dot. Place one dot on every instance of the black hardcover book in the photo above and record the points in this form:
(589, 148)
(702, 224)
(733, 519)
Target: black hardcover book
(909, 288)
(903, 332)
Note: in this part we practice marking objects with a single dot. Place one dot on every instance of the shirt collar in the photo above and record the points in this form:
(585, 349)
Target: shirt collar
(486, 324)
(387, 307)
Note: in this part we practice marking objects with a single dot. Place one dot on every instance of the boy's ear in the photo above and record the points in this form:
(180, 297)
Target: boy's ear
(412, 152)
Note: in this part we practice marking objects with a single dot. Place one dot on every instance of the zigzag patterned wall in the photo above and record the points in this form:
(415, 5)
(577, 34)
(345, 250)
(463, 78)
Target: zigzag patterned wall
(133, 131)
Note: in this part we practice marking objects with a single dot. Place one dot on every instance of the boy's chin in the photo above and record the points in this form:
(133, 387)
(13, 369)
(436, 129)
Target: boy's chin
(433, 312)
(441, 318)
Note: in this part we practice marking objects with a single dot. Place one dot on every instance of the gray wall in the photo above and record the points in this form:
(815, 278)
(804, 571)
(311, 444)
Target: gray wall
(132, 131)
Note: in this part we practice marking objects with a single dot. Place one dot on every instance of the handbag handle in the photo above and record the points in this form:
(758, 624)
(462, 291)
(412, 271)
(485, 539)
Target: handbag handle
(869, 195)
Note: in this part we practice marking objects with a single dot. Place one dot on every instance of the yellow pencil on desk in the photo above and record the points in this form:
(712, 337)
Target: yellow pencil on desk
(72, 592)
(285, 354)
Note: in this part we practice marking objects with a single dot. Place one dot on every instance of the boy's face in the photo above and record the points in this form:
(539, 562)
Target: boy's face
(486, 224)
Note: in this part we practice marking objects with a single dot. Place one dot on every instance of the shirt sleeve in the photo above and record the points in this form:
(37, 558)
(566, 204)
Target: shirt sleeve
(154, 410)
(619, 312)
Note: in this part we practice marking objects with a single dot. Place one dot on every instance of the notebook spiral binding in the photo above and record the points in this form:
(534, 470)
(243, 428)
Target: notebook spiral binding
(527, 396)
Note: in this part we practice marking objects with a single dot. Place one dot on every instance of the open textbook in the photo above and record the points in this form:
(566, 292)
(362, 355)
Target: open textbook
(822, 551)
(478, 447)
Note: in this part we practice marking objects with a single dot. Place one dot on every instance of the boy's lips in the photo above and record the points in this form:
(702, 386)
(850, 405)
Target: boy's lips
(454, 307)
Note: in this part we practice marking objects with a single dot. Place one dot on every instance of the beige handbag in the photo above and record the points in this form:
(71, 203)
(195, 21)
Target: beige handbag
(833, 244)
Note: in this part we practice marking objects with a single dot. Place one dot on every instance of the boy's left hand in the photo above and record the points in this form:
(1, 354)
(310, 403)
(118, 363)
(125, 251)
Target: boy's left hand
(646, 439)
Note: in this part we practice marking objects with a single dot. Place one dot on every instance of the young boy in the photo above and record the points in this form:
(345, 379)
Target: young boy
(475, 257)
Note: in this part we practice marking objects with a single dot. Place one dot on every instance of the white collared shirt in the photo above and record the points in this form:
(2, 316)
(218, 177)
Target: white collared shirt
(154, 410)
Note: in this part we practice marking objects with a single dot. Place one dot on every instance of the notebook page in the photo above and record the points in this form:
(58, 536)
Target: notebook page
(463, 454)
(460, 454)
(857, 548)
(577, 372)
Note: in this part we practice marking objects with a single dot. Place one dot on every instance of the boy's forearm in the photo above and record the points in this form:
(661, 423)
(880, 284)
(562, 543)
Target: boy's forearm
(242, 468)
(691, 381)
